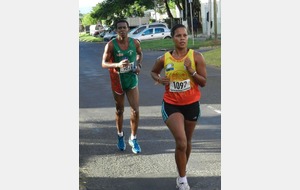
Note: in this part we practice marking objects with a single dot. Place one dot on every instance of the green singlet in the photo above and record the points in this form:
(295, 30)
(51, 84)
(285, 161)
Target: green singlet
(127, 78)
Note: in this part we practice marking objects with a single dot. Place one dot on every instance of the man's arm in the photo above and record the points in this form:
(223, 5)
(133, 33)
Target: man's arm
(107, 58)
(139, 57)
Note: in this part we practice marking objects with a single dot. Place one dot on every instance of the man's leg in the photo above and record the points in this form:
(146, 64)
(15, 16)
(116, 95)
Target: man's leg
(133, 99)
(119, 101)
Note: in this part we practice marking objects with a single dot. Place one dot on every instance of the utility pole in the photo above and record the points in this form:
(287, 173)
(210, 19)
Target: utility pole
(155, 10)
(215, 20)
(184, 21)
(191, 15)
(186, 9)
(209, 19)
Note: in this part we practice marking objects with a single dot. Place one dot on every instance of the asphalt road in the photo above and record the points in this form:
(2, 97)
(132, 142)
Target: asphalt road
(102, 166)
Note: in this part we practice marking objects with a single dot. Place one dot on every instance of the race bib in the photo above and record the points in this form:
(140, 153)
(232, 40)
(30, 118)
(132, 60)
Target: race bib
(128, 68)
(180, 86)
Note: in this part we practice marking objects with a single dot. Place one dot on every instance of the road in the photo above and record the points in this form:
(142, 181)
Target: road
(102, 166)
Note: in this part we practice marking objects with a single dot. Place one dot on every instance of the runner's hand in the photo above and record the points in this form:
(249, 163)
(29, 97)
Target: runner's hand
(164, 80)
(123, 63)
(187, 63)
(137, 70)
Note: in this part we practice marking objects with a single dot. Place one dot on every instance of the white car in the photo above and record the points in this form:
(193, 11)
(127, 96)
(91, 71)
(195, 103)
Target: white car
(140, 28)
(152, 33)
(96, 29)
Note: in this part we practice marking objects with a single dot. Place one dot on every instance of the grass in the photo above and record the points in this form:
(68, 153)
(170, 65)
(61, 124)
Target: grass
(83, 37)
(212, 57)
(168, 44)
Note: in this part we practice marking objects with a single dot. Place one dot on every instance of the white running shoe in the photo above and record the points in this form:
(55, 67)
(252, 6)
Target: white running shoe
(182, 186)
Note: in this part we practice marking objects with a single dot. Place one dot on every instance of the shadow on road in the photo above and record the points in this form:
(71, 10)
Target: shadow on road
(196, 183)
(98, 137)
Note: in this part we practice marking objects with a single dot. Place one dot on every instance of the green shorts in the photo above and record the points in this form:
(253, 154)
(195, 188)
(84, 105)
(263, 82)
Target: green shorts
(128, 80)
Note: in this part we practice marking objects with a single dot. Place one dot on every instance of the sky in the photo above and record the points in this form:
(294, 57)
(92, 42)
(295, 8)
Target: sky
(85, 6)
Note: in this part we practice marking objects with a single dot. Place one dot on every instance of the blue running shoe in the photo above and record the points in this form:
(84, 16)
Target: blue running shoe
(121, 143)
(135, 146)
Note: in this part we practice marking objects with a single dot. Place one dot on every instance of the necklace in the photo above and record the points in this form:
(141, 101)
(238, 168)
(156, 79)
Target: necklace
(181, 55)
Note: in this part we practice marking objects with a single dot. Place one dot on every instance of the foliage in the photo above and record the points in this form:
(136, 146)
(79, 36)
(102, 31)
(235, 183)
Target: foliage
(88, 20)
(135, 10)
(111, 10)
(159, 6)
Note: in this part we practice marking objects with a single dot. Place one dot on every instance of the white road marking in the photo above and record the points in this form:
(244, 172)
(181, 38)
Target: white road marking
(216, 110)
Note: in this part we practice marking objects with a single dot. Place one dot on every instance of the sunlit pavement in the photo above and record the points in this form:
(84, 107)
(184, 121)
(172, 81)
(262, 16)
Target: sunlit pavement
(103, 166)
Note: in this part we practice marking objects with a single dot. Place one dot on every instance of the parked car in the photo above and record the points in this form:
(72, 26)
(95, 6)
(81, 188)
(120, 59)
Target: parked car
(105, 31)
(152, 33)
(109, 36)
(140, 28)
(95, 30)
(102, 34)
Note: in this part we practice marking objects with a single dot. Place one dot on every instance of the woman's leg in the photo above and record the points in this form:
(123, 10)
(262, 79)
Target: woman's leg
(175, 124)
(189, 130)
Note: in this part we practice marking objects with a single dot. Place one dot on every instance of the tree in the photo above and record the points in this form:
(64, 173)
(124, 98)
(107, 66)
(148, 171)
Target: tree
(168, 9)
(197, 13)
(110, 10)
(196, 10)
(88, 20)
(181, 6)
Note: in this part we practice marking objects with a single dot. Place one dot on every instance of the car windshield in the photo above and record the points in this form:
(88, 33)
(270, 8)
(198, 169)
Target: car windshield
(132, 30)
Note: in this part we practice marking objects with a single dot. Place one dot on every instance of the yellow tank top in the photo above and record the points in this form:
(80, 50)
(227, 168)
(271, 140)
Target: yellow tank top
(182, 90)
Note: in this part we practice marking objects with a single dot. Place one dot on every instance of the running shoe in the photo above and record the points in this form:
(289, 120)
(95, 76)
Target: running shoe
(135, 146)
(182, 186)
(121, 143)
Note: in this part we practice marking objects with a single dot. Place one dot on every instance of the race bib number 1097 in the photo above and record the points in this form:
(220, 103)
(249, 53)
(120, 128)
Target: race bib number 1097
(180, 86)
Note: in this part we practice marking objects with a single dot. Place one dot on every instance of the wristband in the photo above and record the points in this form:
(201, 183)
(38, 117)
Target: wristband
(194, 73)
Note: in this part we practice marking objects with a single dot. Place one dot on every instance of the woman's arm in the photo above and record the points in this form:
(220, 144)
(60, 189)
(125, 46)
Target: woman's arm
(156, 69)
(199, 74)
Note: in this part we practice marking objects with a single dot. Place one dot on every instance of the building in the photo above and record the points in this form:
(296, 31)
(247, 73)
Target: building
(207, 9)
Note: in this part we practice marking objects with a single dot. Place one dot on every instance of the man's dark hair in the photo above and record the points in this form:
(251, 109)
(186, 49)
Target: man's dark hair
(122, 20)
(175, 28)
